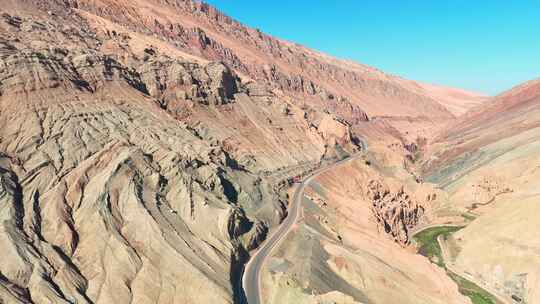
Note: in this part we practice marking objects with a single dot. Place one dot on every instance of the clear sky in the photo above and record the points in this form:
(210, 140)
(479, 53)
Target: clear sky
(480, 45)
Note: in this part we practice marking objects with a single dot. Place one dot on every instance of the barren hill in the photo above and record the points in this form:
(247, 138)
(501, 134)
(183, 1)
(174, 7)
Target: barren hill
(510, 114)
(146, 147)
(201, 30)
(488, 163)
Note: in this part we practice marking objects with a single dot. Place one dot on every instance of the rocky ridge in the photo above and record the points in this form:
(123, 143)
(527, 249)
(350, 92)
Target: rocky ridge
(98, 165)
(330, 83)
(146, 146)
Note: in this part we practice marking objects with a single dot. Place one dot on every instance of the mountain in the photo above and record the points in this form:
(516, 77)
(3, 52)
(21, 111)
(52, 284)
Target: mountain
(508, 115)
(456, 101)
(201, 30)
(488, 163)
(147, 147)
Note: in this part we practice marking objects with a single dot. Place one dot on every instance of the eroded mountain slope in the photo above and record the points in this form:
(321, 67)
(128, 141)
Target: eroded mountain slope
(489, 166)
(342, 87)
(136, 177)
(145, 148)
(351, 243)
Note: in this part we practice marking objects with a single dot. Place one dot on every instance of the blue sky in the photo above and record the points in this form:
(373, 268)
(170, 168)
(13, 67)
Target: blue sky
(480, 45)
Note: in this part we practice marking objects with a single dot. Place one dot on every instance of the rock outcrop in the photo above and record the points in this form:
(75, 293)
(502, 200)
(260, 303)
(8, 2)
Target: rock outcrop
(173, 80)
(140, 143)
(334, 130)
(201, 30)
(395, 211)
(105, 197)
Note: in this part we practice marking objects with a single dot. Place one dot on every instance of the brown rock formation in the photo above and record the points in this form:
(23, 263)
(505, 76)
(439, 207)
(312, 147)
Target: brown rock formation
(172, 80)
(139, 141)
(396, 211)
(201, 30)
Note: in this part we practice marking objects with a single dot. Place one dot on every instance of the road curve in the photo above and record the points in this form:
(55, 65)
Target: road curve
(251, 279)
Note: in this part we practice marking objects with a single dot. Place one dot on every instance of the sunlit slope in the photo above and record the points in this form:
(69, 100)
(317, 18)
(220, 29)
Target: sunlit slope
(489, 163)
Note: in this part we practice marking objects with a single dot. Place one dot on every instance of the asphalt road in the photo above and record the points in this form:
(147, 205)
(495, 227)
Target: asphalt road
(251, 279)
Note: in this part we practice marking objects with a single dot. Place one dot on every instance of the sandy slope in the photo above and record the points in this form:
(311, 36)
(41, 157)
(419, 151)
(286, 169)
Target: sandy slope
(145, 148)
(339, 252)
(489, 165)
(455, 100)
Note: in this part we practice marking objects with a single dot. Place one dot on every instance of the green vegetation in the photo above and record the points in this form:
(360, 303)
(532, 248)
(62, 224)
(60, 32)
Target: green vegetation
(428, 245)
(471, 290)
(469, 217)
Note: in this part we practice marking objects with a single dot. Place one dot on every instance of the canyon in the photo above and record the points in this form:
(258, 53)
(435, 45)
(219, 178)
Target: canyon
(148, 148)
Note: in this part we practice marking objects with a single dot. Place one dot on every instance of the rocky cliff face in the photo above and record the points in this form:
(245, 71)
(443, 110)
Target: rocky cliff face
(395, 211)
(171, 80)
(128, 174)
(336, 85)
(145, 145)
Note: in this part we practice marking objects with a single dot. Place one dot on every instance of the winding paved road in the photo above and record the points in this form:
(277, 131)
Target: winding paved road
(251, 279)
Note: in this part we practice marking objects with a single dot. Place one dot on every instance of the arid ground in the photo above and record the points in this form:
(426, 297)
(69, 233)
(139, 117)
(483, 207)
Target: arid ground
(149, 147)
